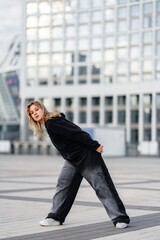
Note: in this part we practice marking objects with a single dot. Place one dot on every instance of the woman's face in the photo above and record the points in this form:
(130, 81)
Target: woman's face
(36, 112)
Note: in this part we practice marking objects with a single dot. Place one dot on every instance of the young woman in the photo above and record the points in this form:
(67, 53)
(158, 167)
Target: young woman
(82, 159)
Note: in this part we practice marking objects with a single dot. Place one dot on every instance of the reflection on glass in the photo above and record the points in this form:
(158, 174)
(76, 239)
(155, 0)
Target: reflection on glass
(135, 24)
(147, 15)
(82, 70)
(122, 26)
(135, 11)
(147, 8)
(82, 56)
(44, 33)
(158, 100)
(147, 66)
(82, 117)
(31, 60)
(31, 34)
(69, 57)
(43, 59)
(44, 46)
(96, 29)
(122, 68)
(83, 17)
(147, 134)
(83, 30)
(32, 21)
(134, 78)
(57, 6)
(109, 55)
(70, 31)
(122, 53)
(96, 56)
(83, 101)
(96, 3)
(122, 40)
(69, 18)
(31, 47)
(109, 69)
(83, 4)
(96, 16)
(121, 117)
(83, 44)
(70, 45)
(96, 43)
(134, 52)
(109, 27)
(108, 117)
(57, 74)
(57, 59)
(57, 45)
(96, 69)
(109, 14)
(134, 39)
(31, 73)
(57, 19)
(122, 12)
(110, 2)
(57, 32)
(134, 67)
(134, 136)
(147, 99)
(134, 100)
(147, 37)
(32, 8)
(43, 72)
(69, 70)
(44, 21)
(147, 22)
(44, 7)
(157, 52)
(109, 41)
(122, 1)
(147, 50)
(108, 101)
(121, 100)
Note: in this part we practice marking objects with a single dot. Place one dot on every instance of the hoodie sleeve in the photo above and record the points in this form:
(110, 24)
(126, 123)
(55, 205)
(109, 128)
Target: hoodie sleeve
(61, 126)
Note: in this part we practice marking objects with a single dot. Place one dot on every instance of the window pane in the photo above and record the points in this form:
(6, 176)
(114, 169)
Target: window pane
(108, 116)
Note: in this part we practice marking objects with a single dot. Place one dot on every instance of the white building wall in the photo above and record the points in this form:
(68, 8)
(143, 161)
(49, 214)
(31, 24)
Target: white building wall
(135, 76)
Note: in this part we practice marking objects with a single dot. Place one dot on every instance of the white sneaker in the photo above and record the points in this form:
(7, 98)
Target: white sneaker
(121, 225)
(49, 222)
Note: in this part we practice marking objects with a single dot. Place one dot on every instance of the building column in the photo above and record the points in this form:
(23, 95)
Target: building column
(63, 105)
(89, 107)
(153, 126)
(76, 110)
(115, 113)
(23, 122)
(140, 118)
(128, 119)
(101, 122)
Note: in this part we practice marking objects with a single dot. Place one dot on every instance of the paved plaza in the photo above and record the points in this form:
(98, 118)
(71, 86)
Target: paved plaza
(28, 182)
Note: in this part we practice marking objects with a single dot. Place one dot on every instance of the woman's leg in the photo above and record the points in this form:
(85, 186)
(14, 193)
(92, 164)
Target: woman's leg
(94, 170)
(67, 188)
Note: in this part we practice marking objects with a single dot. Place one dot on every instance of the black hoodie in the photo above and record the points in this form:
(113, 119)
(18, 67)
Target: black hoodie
(69, 139)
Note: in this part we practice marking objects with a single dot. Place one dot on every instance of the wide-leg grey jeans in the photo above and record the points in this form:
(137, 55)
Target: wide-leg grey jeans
(92, 167)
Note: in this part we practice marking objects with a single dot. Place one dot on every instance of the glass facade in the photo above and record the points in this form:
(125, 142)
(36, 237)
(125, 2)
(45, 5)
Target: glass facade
(100, 43)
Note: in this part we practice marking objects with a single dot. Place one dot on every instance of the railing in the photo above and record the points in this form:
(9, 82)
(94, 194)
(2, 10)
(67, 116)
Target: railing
(39, 148)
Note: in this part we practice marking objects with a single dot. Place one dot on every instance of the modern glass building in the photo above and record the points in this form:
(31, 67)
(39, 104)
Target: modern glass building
(96, 60)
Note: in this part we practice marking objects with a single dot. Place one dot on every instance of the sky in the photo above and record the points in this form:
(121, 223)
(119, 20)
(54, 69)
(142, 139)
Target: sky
(10, 18)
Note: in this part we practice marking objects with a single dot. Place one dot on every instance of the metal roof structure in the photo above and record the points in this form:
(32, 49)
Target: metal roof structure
(9, 62)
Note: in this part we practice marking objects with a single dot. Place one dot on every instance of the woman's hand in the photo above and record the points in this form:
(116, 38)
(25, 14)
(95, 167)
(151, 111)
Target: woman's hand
(100, 149)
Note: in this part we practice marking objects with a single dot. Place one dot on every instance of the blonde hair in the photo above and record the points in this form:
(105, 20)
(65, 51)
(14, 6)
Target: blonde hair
(36, 126)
